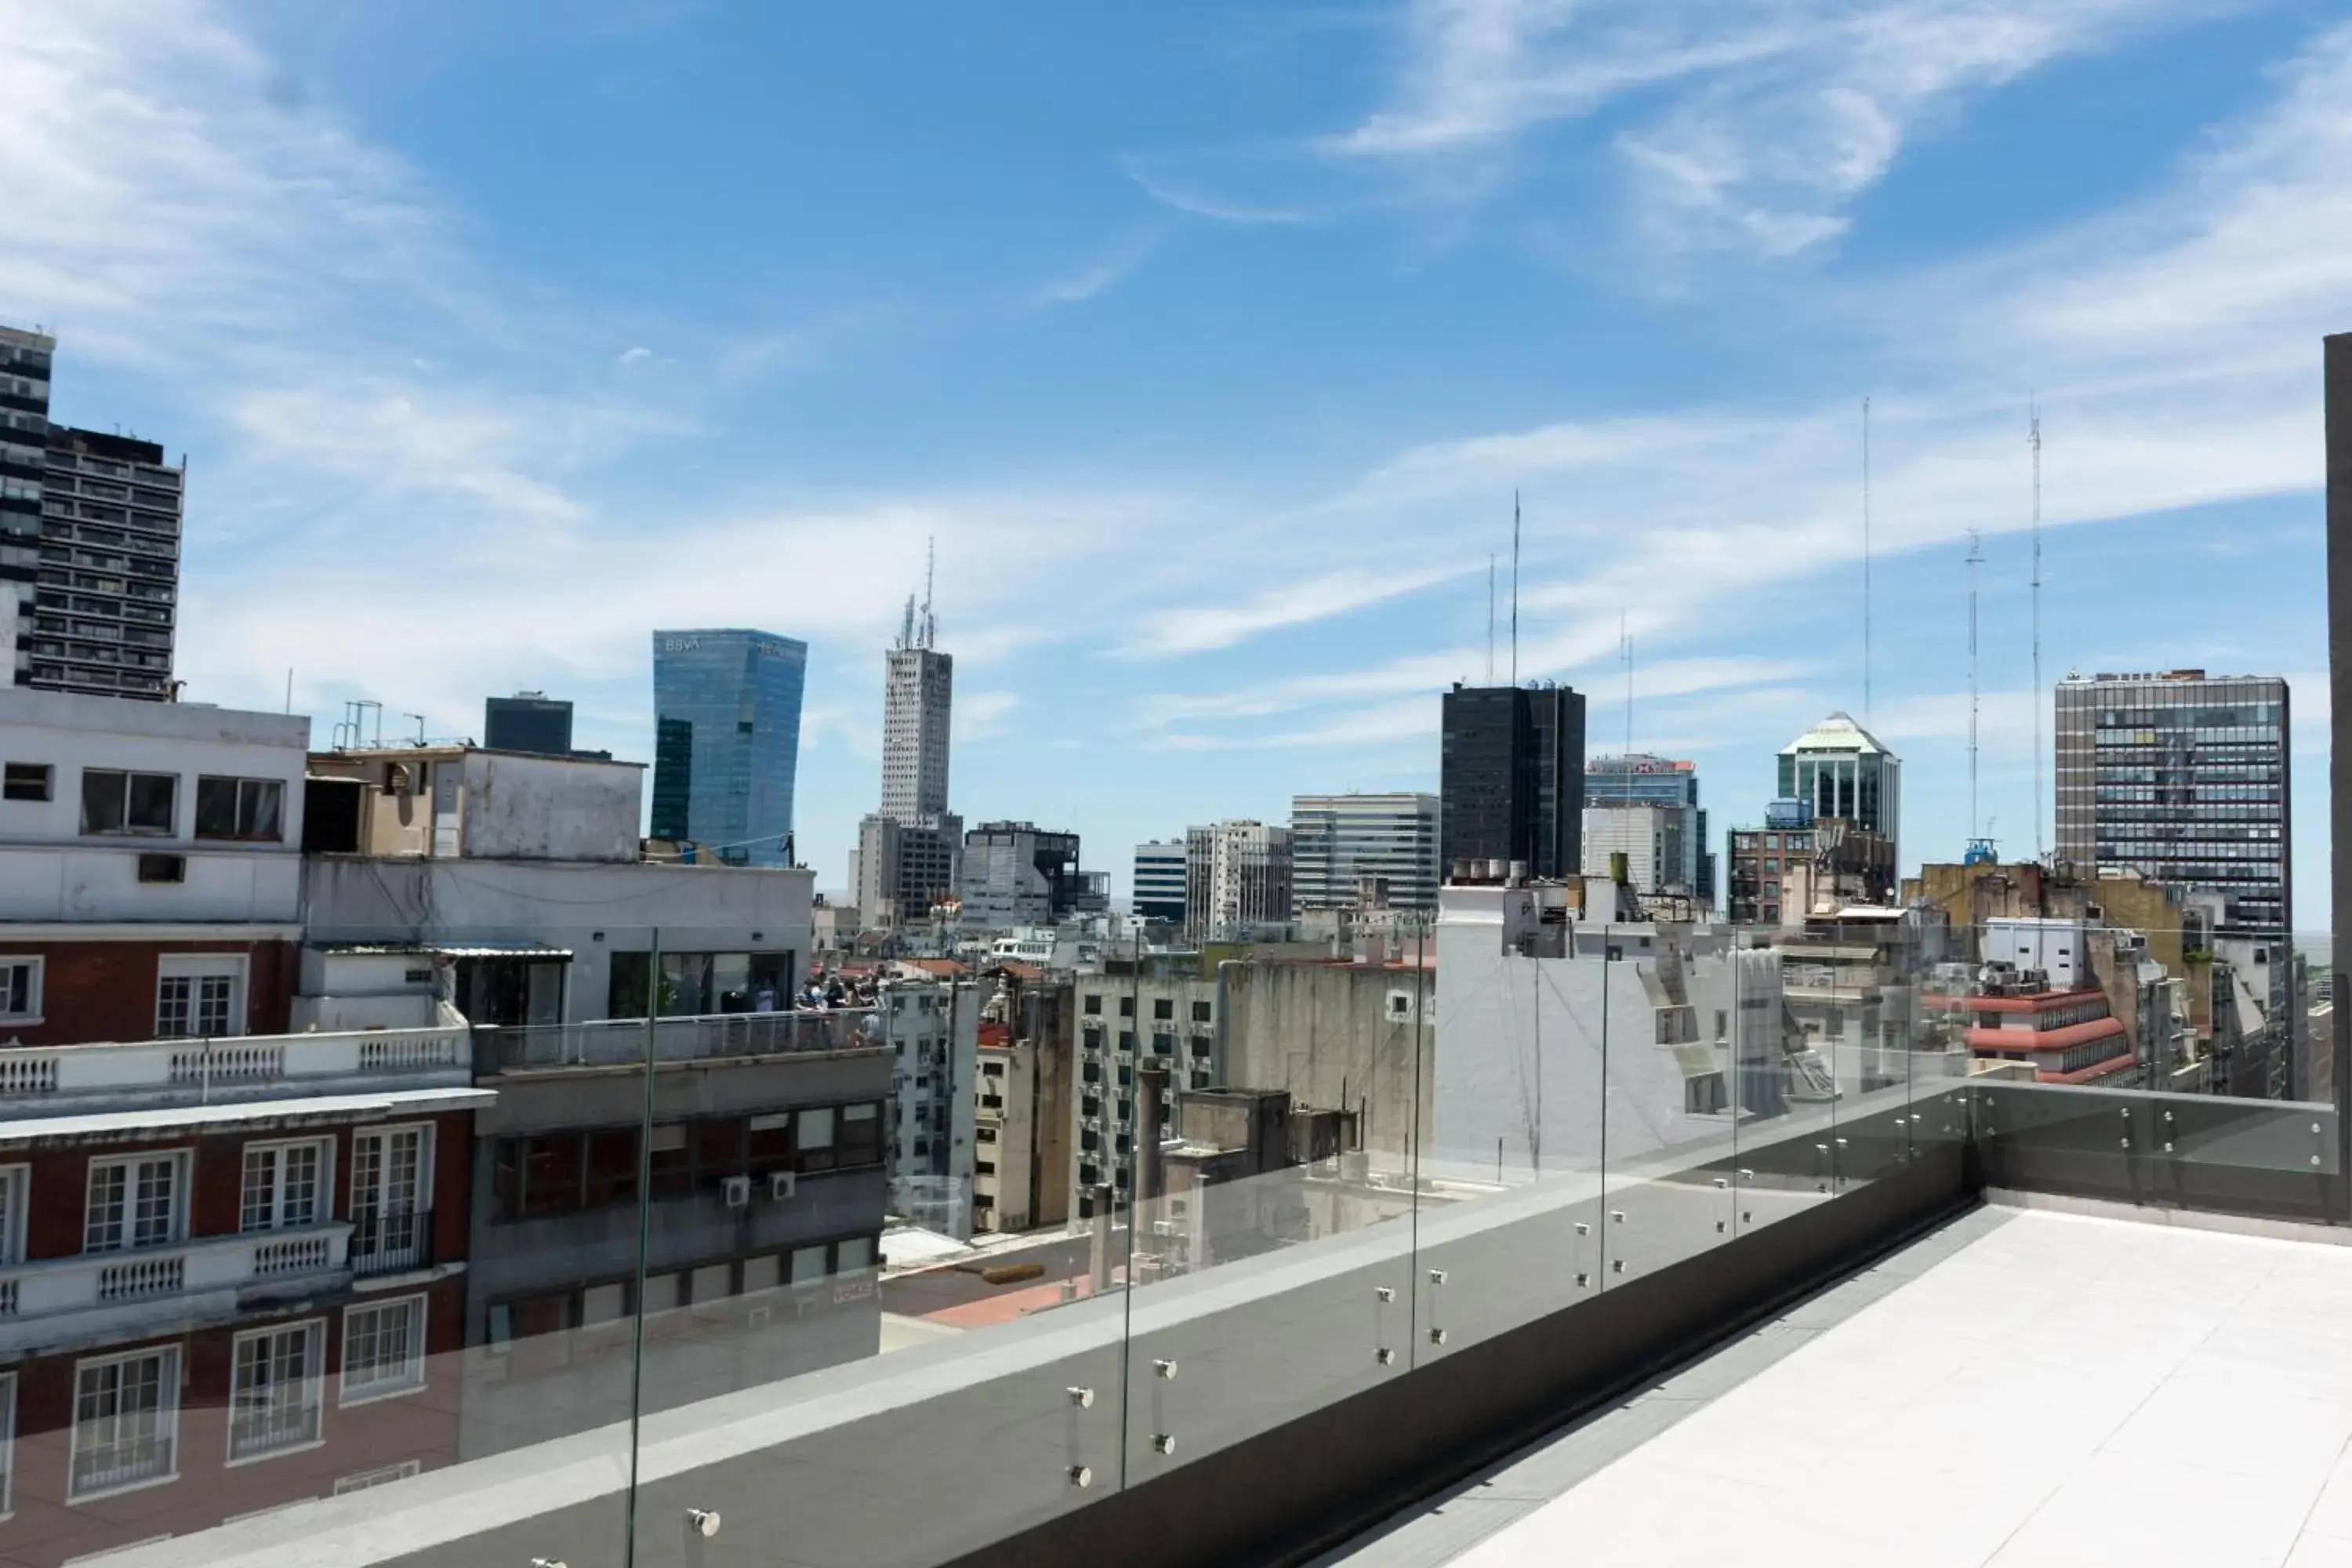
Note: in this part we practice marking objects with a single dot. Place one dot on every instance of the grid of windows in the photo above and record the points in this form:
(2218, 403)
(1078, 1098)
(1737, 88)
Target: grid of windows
(126, 1426)
(274, 1403)
(132, 1203)
(2184, 779)
(384, 1349)
(283, 1185)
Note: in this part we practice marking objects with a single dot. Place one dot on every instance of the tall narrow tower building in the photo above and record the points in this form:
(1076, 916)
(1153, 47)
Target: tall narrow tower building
(920, 689)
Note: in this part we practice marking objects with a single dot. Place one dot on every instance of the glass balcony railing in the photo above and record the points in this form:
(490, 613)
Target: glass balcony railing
(732, 1285)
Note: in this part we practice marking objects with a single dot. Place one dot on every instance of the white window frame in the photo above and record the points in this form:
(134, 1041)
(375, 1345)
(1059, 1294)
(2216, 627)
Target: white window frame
(197, 968)
(413, 1378)
(39, 966)
(423, 1200)
(313, 1388)
(167, 1415)
(322, 1201)
(178, 1160)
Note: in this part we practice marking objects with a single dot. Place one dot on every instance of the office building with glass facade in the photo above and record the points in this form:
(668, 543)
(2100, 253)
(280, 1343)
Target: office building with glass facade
(727, 729)
(2183, 779)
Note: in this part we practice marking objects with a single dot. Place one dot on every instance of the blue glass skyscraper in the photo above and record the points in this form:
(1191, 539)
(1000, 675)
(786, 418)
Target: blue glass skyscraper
(727, 740)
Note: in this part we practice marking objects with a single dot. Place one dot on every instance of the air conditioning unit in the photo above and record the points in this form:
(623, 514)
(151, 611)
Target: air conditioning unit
(783, 1184)
(739, 1191)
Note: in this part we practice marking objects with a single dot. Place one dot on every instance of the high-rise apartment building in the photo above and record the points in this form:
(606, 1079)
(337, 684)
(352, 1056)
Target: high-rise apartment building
(2185, 779)
(1337, 841)
(89, 543)
(1638, 779)
(1511, 777)
(1842, 771)
(1237, 874)
(1160, 880)
(727, 732)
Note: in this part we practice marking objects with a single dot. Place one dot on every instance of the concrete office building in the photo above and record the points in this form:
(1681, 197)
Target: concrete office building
(727, 733)
(1356, 1037)
(1511, 777)
(1017, 874)
(2184, 778)
(1160, 880)
(904, 868)
(1840, 769)
(1338, 840)
(768, 1192)
(1236, 875)
(1650, 837)
(89, 543)
(919, 692)
(1641, 779)
(528, 721)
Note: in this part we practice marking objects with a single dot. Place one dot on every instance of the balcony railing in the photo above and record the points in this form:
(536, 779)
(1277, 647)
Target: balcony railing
(391, 1242)
(75, 1293)
(42, 1079)
(619, 1042)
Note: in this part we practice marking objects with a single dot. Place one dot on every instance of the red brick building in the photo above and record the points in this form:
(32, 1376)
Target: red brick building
(231, 1278)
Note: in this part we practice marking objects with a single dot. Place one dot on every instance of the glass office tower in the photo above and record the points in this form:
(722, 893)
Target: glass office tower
(726, 726)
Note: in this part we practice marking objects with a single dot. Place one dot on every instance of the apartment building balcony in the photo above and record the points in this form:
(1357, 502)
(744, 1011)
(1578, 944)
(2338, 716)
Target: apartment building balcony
(101, 1297)
(710, 1036)
(163, 1082)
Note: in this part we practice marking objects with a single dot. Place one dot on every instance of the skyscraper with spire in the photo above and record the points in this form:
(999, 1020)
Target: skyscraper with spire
(910, 852)
(918, 691)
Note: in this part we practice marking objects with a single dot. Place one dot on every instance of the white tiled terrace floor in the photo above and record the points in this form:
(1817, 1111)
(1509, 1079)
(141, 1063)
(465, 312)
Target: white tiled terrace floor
(2022, 1388)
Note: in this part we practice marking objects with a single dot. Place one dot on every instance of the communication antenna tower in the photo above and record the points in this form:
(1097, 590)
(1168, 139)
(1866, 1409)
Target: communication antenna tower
(1515, 587)
(1865, 561)
(1490, 618)
(930, 560)
(1976, 559)
(2033, 439)
(1625, 650)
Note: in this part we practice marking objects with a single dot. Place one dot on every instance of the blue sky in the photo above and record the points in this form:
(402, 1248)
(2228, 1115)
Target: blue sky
(1210, 342)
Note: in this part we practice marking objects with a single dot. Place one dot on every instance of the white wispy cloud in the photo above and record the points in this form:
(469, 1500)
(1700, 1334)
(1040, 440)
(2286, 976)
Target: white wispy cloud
(1201, 627)
(1105, 271)
(1184, 199)
(1748, 125)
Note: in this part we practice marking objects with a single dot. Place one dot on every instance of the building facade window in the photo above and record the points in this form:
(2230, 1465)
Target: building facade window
(384, 1349)
(126, 1425)
(116, 802)
(132, 1203)
(27, 782)
(390, 1174)
(253, 809)
(20, 990)
(274, 1393)
(199, 996)
(285, 1185)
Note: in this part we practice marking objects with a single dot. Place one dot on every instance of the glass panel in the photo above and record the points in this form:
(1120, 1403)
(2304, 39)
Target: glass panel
(1273, 1242)
(1669, 1148)
(1511, 1216)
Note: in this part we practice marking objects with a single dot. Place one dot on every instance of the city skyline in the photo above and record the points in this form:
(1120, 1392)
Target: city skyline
(512, 393)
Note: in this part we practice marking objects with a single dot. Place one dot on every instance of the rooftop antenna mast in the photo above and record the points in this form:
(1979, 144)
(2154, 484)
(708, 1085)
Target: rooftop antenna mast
(1515, 587)
(2033, 440)
(1625, 650)
(1865, 560)
(1976, 559)
(1490, 618)
(930, 566)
